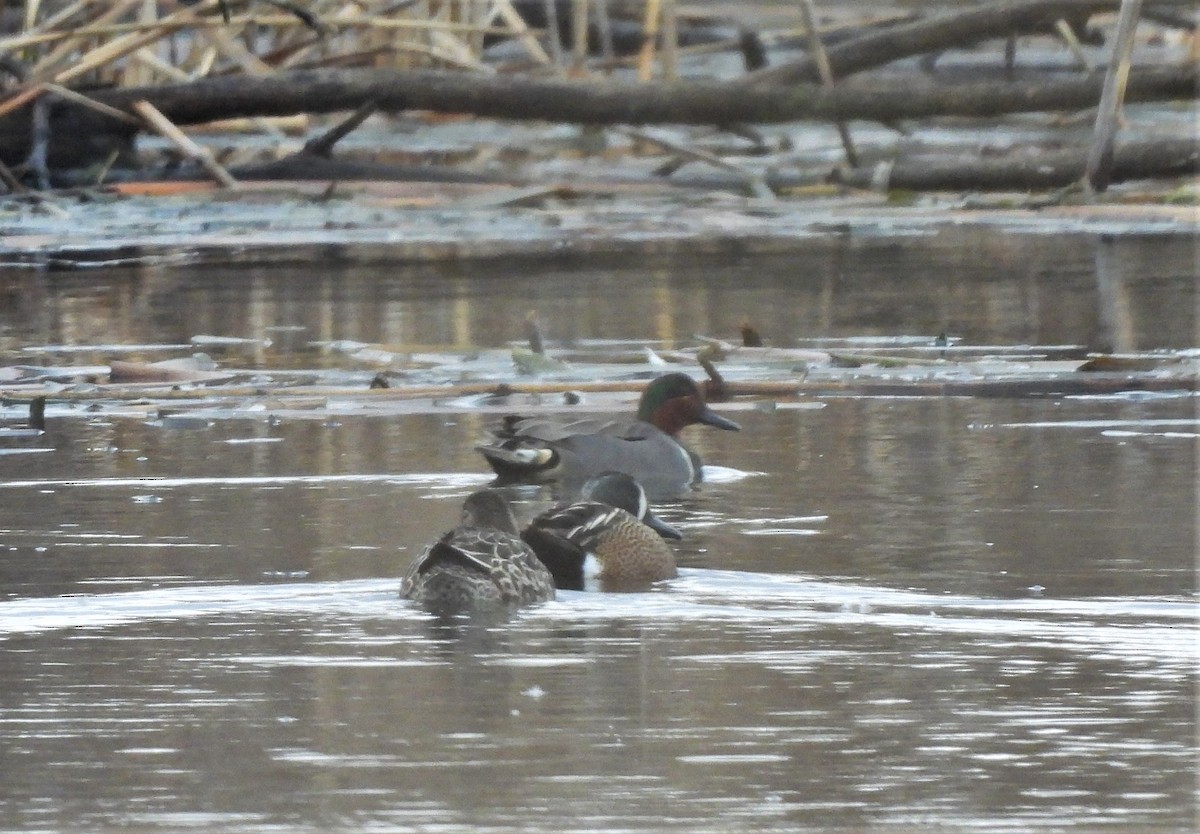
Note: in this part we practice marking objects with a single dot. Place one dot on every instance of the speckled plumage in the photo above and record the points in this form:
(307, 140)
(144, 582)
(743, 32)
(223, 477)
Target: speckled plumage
(482, 564)
(627, 553)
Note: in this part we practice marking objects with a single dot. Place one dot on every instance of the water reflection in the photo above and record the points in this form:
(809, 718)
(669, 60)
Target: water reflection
(989, 288)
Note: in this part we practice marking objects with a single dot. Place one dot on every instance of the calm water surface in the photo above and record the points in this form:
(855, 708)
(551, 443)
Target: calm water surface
(969, 613)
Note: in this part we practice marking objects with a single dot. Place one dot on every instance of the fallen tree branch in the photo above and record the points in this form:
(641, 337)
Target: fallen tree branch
(611, 102)
(1158, 158)
(80, 136)
(960, 28)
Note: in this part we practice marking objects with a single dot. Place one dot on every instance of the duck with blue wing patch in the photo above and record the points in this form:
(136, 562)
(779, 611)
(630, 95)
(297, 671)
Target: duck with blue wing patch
(609, 540)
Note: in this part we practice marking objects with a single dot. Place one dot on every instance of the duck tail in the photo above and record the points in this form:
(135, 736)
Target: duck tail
(519, 464)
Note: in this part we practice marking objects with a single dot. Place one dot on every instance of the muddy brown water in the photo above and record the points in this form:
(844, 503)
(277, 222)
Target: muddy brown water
(893, 612)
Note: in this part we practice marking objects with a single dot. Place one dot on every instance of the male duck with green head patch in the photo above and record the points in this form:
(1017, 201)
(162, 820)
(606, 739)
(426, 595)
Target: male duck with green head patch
(538, 449)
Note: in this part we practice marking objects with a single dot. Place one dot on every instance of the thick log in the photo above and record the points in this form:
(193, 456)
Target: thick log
(960, 28)
(1152, 159)
(612, 102)
(593, 102)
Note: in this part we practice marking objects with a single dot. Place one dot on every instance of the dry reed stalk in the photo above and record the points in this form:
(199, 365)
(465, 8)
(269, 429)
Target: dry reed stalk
(106, 30)
(456, 51)
(44, 68)
(579, 37)
(291, 51)
(604, 24)
(31, 11)
(280, 126)
(137, 74)
(518, 27)
(383, 43)
(808, 14)
(1067, 34)
(102, 174)
(352, 59)
(95, 30)
(479, 10)
(553, 33)
(426, 10)
(393, 23)
(208, 57)
(158, 65)
(670, 38)
(115, 50)
(65, 14)
(226, 43)
(645, 66)
(165, 128)
(83, 100)
(754, 182)
(1099, 163)
(21, 99)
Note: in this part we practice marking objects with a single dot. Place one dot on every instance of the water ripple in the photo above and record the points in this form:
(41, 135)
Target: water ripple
(1133, 629)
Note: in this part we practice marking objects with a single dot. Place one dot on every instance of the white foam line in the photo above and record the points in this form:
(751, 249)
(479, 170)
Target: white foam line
(1135, 629)
(1100, 424)
(105, 610)
(792, 589)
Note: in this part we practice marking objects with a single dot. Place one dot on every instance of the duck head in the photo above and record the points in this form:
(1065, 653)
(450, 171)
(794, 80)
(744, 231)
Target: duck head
(489, 509)
(674, 401)
(624, 492)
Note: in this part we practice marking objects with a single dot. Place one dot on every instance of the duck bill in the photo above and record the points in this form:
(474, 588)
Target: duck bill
(661, 527)
(712, 418)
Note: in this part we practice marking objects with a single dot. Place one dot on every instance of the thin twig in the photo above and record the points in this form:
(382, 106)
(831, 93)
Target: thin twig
(163, 126)
(22, 98)
(107, 166)
(79, 98)
(809, 14)
(1072, 41)
(323, 144)
(754, 182)
(10, 180)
